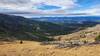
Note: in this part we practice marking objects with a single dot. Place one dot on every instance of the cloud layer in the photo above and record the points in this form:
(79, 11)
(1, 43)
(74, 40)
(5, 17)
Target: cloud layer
(50, 6)
(32, 5)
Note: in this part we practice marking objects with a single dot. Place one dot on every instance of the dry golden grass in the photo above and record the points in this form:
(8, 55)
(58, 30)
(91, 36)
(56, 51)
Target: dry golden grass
(88, 34)
(29, 48)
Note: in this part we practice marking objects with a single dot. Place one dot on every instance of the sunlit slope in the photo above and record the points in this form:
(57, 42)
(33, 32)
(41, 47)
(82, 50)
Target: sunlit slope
(88, 34)
(35, 49)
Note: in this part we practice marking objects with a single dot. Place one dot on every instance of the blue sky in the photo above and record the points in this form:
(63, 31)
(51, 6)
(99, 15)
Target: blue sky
(46, 7)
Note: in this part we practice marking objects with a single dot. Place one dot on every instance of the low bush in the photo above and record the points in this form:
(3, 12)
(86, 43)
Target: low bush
(97, 38)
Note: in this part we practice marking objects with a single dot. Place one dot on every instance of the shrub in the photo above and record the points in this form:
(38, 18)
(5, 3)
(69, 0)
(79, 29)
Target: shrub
(42, 37)
(97, 38)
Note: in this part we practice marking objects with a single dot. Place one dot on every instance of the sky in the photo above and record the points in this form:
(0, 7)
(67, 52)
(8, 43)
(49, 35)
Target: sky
(50, 7)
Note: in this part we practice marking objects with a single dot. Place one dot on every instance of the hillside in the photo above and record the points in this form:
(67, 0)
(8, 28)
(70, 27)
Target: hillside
(31, 48)
(15, 28)
(34, 49)
(69, 24)
(88, 34)
(20, 28)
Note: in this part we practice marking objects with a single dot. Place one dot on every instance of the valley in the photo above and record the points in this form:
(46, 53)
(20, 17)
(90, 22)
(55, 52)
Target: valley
(21, 36)
(49, 27)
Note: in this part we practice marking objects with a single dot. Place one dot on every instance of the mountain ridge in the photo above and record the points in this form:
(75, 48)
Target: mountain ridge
(24, 28)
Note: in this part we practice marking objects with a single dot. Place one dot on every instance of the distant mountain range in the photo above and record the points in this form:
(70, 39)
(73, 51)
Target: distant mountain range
(69, 19)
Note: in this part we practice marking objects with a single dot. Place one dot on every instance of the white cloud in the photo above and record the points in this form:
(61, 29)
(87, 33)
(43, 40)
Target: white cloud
(61, 3)
(27, 5)
(30, 6)
(94, 10)
(19, 5)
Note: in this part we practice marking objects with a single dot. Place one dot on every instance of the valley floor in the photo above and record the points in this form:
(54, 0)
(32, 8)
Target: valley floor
(30, 48)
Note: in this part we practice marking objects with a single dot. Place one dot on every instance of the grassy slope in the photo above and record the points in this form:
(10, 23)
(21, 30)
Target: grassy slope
(34, 49)
(88, 34)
